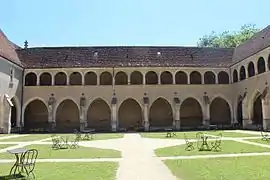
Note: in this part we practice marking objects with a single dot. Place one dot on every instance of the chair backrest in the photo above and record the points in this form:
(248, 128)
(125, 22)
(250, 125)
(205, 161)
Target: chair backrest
(55, 139)
(29, 158)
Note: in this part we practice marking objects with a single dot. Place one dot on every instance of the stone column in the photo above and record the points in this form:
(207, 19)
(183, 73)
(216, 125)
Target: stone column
(83, 121)
(146, 123)
(246, 120)
(114, 122)
(245, 114)
(51, 109)
(206, 114)
(176, 121)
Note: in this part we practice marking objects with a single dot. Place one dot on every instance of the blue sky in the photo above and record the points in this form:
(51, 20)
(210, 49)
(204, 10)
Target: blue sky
(125, 22)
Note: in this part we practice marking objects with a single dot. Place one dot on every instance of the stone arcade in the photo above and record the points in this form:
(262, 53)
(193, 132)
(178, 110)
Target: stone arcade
(123, 87)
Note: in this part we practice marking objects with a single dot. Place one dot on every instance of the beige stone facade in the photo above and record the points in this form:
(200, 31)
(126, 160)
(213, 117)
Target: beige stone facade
(116, 98)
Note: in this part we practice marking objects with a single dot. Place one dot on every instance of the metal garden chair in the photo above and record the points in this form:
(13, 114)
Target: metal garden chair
(59, 142)
(189, 144)
(74, 144)
(216, 145)
(27, 164)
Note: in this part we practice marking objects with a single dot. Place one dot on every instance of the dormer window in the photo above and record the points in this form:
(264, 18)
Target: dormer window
(158, 54)
(96, 54)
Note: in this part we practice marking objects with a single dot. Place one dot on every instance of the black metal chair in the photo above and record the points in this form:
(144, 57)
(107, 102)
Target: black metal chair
(216, 145)
(59, 142)
(77, 134)
(27, 163)
(74, 144)
(189, 144)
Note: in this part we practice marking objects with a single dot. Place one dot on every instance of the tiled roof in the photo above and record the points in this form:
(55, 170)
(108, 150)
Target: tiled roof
(65, 57)
(258, 42)
(7, 49)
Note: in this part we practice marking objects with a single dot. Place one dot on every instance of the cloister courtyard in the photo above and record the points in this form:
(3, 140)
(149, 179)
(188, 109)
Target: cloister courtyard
(144, 156)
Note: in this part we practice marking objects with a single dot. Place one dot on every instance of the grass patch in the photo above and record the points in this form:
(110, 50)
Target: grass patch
(162, 135)
(192, 134)
(232, 134)
(2, 146)
(228, 147)
(63, 171)
(29, 137)
(238, 168)
(259, 141)
(46, 152)
(103, 136)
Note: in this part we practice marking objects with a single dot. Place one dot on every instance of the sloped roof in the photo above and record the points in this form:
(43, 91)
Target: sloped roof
(258, 42)
(136, 56)
(8, 49)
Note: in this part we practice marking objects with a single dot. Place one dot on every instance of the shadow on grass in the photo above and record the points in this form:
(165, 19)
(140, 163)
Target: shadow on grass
(13, 177)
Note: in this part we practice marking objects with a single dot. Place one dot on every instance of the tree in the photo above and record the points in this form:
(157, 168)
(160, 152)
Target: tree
(228, 39)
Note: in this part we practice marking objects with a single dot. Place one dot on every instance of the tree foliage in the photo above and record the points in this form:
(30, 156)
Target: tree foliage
(228, 39)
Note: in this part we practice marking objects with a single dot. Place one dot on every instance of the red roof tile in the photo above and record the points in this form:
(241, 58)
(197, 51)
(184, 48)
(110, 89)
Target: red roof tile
(59, 57)
(7, 49)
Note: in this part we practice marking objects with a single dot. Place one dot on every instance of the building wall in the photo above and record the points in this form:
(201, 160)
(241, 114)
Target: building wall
(13, 90)
(127, 91)
(252, 84)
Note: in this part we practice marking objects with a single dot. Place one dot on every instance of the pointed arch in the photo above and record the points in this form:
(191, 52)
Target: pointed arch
(30, 79)
(130, 114)
(67, 116)
(105, 78)
(166, 77)
(136, 77)
(160, 113)
(181, 78)
(99, 115)
(121, 78)
(191, 113)
(35, 115)
(60, 79)
(220, 112)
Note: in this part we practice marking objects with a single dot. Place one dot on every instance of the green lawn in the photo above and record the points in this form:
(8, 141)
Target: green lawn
(63, 171)
(162, 135)
(2, 146)
(239, 168)
(232, 134)
(35, 137)
(29, 137)
(46, 152)
(259, 141)
(192, 134)
(228, 147)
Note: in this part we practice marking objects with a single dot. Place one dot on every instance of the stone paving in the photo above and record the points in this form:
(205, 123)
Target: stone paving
(138, 161)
